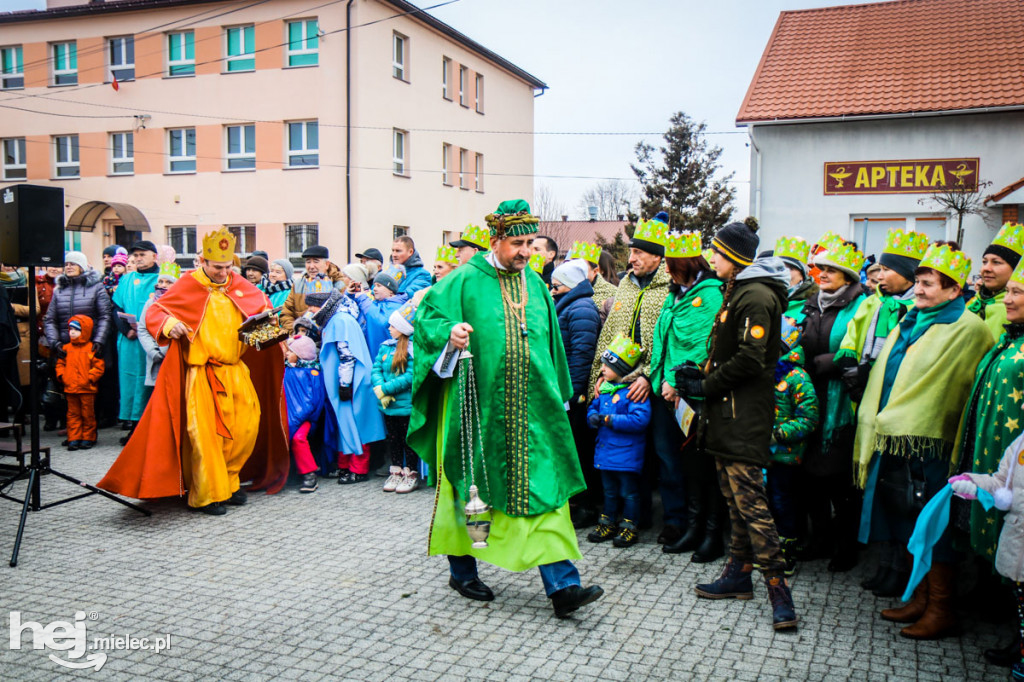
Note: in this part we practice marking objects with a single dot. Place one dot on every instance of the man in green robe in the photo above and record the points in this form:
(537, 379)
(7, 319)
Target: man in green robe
(132, 293)
(526, 466)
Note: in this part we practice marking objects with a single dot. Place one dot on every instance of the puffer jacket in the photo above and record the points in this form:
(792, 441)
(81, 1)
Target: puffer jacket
(796, 409)
(374, 316)
(620, 442)
(1010, 554)
(80, 370)
(82, 295)
(416, 276)
(398, 386)
(295, 304)
(580, 324)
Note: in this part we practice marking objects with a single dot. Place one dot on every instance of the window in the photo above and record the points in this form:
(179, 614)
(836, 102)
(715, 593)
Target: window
(12, 68)
(446, 78)
(303, 144)
(241, 147)
(479, 93)
(446, 160)
(182, 150)
(183, 239)
(478, 173)
(299, 238)
(245, 238)
(399, 231)
(399, 43)
(463, 160)
(72, 240)
(241, 48)
(181, 54)
(65, 63)
(446, 237)
(303, 42)
(65, 156)
(121, 53)
(398, 152)
(14, 159)
(463, 95)
(122, 153)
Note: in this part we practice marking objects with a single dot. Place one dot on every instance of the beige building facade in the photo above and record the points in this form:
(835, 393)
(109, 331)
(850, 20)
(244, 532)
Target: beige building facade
(164, 119)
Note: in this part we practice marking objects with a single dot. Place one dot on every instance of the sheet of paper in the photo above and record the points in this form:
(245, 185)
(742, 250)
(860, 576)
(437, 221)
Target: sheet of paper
(684, 416)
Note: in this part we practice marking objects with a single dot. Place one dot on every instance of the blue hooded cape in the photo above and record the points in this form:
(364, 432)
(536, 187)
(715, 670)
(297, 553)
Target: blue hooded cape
(306, 395)
(358, 420)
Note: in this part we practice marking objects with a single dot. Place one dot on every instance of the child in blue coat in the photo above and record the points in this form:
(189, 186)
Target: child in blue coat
(376, 311)
(306, 395)
(392, 383)
(621, 436)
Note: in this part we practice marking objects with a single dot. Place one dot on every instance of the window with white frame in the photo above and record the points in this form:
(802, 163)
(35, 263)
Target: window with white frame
(298, 238)
(65, 156)
(181, 150)
(181, 54)
(463, 86)
(446, 162)
(72, 240)
(399, 231)
(478, 173)
(241, 48)
(12, 68)
(303, 42)
(398, 151)
(479, 94)
(245, 238)
(446, 237)
(303, 144)
(64, 58)
(446, 78)
(121, 58)
(183, 239)
(463, 168)
(122, 153)
(14, 159)
(241, 146)
(399, 53)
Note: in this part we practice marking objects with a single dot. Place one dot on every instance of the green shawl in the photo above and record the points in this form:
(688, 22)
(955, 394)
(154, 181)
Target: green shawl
(927, 396)
(683, 329)
(839, 411)
(880, 309)
(991, 309)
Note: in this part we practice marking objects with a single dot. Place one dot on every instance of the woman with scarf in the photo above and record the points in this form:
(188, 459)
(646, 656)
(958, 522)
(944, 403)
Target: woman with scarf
(828, 460)
(1000, 258)
(279, 281)
(908, 423)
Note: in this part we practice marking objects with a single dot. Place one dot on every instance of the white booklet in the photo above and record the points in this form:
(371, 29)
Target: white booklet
(684, 416)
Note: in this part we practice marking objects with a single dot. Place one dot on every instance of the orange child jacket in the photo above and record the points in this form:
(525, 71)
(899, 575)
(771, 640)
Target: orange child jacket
(81, 370)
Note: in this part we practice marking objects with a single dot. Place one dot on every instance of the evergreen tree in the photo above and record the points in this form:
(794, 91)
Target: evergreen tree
(617, 249)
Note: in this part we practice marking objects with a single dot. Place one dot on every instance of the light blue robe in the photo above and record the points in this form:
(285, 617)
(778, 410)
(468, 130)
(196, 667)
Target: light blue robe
(132, 293)
(358, 420)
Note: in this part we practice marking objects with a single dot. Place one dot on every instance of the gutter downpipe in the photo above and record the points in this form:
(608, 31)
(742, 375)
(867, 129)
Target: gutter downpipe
(757, 173)
(348, 131)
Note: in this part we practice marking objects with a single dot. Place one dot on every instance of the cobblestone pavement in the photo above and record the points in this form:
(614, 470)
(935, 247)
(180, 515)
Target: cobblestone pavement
(337, 585)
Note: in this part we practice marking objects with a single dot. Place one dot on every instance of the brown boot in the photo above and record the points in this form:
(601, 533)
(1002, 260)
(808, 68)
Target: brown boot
(938, 619)
(913, 609)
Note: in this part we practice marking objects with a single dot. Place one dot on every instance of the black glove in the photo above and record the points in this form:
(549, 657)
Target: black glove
(97, 348)
(61, 353)
(593, 420)
(856, 380)
(689, 380)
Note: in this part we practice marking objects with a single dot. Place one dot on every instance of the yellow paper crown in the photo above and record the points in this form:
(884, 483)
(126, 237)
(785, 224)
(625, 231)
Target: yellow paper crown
(954, 264)
(708, 253)
(219, 246)
(480, 236)
(652, 230)
(792, 247)
(537, 263)
(829, 241)
(683, 245)
(625, 349)
(588, 252)
(448, 254)
(1011, 236)
(907, 244)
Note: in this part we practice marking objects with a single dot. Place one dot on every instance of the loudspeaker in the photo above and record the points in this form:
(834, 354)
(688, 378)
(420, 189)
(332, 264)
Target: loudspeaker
(32, 225)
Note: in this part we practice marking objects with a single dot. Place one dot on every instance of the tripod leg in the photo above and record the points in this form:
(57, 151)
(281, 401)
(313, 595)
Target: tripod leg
(104, 493)
(32, 479)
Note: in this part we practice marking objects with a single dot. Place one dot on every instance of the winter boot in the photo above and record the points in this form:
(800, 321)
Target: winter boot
(885, 560)
(606, 530)
(627, 534)
(912, 610)
(783, 611)
(734, 582)
(894, 583)
(693, 537)
(788, 546)
(1007, 656)
(713, 546)
(938, 620)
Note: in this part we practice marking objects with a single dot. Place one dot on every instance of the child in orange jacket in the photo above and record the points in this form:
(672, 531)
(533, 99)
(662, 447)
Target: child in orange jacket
(80, 370)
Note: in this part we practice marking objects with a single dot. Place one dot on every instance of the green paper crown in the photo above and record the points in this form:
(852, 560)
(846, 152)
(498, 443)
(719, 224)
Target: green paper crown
(792, 247)
(844, 257)
(627, 351)
(1018, 273)
(653, 231)
(708, 253)
(830, 240)
(954, 264)
(588, 252)
(1011, 236)
(537, 263)
(512, 219)
(170, 270)
(908, 244)
(477, 235)
(683, 245)
(447, 254)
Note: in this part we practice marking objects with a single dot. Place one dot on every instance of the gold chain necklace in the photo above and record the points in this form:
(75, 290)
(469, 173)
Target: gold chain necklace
(518, 309)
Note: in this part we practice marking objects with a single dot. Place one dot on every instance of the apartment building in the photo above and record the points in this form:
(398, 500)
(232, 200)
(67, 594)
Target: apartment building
(344, 122)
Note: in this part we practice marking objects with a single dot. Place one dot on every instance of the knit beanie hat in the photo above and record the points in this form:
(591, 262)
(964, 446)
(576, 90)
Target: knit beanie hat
(904, 266)
(78, 258)
(113, 250)
(303, 346)
(257, 263)
(570, 273)
(391, 278)
(317, 300)
(286, 265)
(402, 319)
(1008, 255)
(119, 259)
(737, 242)
(75, 324)
(356, 272)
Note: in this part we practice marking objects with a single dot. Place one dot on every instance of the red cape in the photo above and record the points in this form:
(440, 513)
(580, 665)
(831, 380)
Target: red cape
(150, 466)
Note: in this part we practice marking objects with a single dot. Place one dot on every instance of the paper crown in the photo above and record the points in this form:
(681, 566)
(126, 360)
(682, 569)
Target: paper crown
(793, 247)
(537, 263)
(653, 231)
(512, 219)
(588, 252)
(829, 240)
(447, 254)
(682, 245)
(954, 264)
(908, 244)
(407, 312)
(170, 270)
(219, 246)
(477, 235)
(1011, 236)
(708, 253)
(623, 348)
(844, 257)
(1018, 273)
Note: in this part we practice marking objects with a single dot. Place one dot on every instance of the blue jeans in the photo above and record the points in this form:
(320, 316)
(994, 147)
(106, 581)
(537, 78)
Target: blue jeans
(621, 495)
(556, 576)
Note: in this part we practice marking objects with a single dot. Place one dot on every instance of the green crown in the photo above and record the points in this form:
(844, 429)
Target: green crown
(170, 270)
(844, 256)
(537, 263)
(588, 252)
(653, 231)
(683, 245)
(1011, 236)
(954, 264)
(1018, 273)
(908, 244)
(793, 247)
(480, 236)
(830, 240)
(708, 253)
(626, 350)
(447, 254)
(512, 219)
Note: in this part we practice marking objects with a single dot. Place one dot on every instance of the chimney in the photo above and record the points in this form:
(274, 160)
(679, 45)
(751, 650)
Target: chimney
(565, 218)
(621, 217)
(592, 210)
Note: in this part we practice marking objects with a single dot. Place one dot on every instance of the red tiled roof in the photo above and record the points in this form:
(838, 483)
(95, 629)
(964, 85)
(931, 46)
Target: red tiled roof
(889, 58)
(565, 232)
(1005, 192)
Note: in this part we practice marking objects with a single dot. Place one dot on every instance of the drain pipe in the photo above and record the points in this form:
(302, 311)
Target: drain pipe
(757, 174)
(348, 131)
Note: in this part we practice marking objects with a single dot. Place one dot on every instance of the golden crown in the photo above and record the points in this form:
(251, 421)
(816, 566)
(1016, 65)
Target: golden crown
(219, 246)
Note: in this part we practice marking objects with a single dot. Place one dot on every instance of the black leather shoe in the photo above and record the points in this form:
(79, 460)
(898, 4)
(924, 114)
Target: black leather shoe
(215, 509)
(359, 478)
(238, 498)
(687, 542)
(894, 585)
(74, 444)
(669, 534)
(86, 444)
(1005, 657)
(344, 477)
(472, 589)
(573, 597)
(875, 581)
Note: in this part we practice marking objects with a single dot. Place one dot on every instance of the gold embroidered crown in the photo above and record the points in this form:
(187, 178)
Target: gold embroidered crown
(219, 246)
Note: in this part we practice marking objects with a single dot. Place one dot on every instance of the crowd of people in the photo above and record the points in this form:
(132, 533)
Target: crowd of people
(788, 405)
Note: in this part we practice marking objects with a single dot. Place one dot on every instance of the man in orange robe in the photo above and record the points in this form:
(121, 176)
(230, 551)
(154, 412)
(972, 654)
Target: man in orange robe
(216, 417)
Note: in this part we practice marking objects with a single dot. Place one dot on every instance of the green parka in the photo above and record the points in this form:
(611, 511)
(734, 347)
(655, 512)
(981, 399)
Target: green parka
(683, 328)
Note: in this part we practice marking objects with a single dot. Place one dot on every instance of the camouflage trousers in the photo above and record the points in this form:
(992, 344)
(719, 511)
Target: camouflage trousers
(755, 539)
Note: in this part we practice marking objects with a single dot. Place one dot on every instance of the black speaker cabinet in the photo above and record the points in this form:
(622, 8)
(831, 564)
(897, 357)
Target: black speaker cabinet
(31, 225)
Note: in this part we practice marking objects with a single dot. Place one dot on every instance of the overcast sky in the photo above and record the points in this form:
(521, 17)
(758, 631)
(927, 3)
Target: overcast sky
(615, 66)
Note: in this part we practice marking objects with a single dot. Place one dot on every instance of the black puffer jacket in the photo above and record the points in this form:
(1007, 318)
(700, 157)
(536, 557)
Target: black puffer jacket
(82, 295)
(580, 323)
